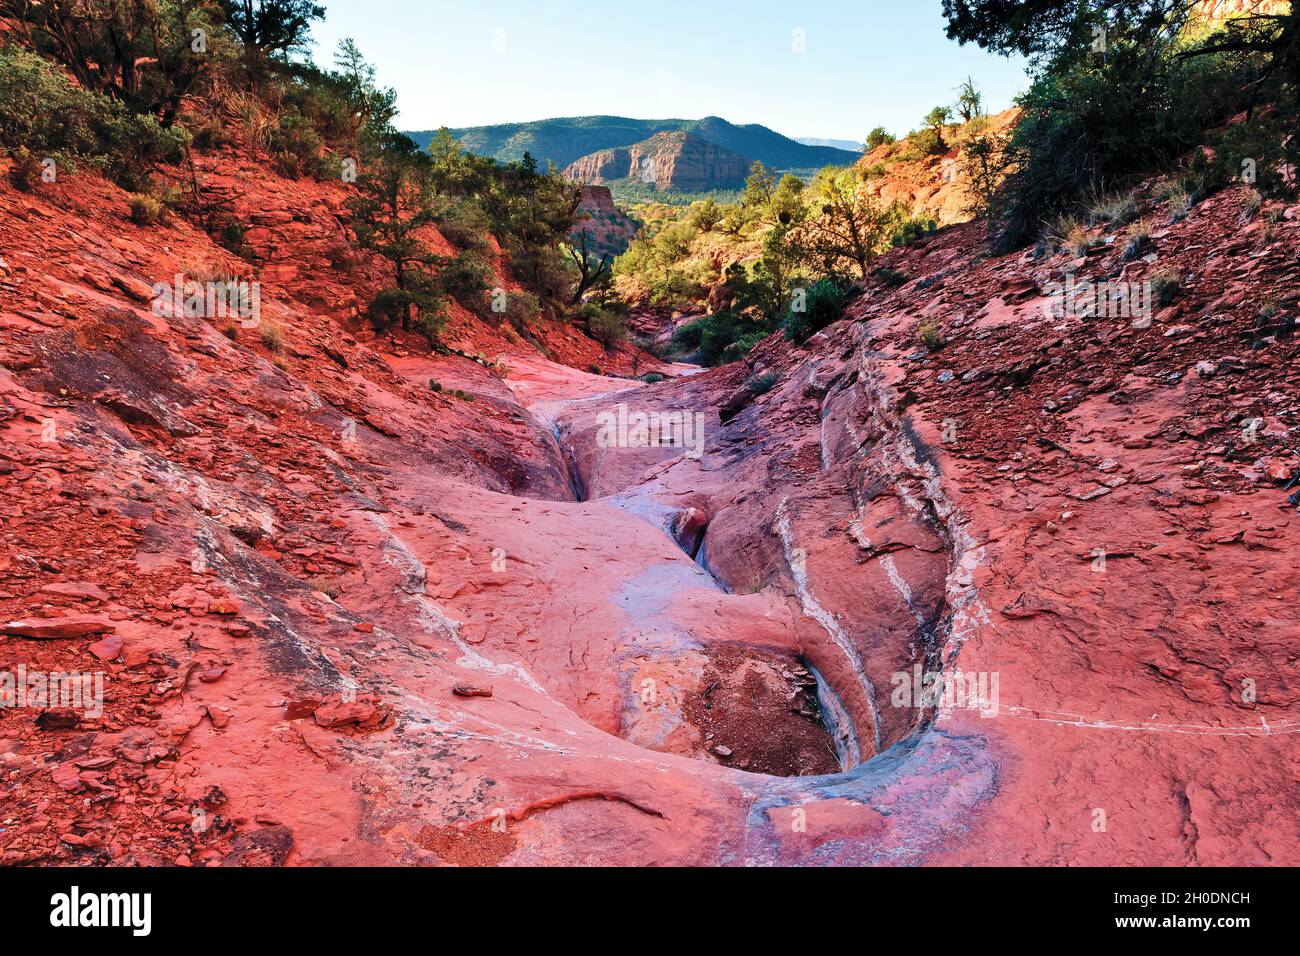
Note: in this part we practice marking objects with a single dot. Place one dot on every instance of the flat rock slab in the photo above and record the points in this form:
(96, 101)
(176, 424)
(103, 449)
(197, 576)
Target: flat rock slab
(56, 628)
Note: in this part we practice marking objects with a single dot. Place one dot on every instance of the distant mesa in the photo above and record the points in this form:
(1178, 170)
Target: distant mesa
(671, 162)
(565, 141)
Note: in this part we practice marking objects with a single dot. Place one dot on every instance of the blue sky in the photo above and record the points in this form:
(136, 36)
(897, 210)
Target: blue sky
(477, 62)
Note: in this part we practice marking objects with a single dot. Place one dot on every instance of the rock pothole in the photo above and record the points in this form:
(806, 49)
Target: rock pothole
(758, 711)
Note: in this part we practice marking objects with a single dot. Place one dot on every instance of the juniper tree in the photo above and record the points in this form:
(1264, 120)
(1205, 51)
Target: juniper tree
(270, 29)
(147, 54)
(394, 202)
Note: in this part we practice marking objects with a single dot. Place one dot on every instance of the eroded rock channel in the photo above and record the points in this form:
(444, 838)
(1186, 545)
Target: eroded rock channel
(755, 644)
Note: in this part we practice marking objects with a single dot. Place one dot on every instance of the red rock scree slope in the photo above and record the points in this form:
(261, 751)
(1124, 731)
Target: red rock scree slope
(343, 619)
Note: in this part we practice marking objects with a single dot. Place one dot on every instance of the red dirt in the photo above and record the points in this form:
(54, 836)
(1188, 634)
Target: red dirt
(758, 712)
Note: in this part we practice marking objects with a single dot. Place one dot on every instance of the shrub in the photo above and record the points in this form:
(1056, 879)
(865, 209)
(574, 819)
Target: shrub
(738, 349)
(44, 113)
(208, 132)
(906, 229)
(924, 144)
(435, 385)
(892, 278)
(1203, 177)
(653, 378)
(1139, 235)
(707, 339)
(823, 304)
(467, 279)
(522, 309)
(392, 306)
(209, 269)
(230, 236)
(324, 584)
(1118, 208)
(272, 336)
(295, 145)
(878, 137)
(1165, 287)
(26, 169)
(146, 210)
(463, 224)
(931, 335)
(704, 215)
(606, 327)
(1065, 233)
(1087, 126)
(1179, 204)
(762, 384)
(595, 369)
(1251, 205)
(1253, 151)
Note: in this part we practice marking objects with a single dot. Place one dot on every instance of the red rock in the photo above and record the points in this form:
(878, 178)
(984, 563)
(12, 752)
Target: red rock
(1280, 471)
(58, 628)
(261, 848)
(298, 709)
(66, 776)
(55, 720)
(335, 713)
(364, 627)
(223, 607)
(472, 690)
(107, 649)
(845, 527)
(76, 589)
(95, 763)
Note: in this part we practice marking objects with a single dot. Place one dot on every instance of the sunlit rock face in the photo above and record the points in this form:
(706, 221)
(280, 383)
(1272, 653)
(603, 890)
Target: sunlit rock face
(671, 161)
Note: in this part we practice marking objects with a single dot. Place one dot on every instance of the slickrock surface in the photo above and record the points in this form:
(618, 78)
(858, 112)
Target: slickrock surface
(346, 619)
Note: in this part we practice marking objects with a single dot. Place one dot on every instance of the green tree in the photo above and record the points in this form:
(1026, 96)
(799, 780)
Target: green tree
(270, 29)
(970, 102)
(787, 207)
(759, 187)
(776, 274)
(532, 214)
(591, 271)
(394, 201)
(705, 214)
(370, 107)
(879, 137)
(456, 171)
(983, 166)
(147, 54)
(847, 229)
(936, 119)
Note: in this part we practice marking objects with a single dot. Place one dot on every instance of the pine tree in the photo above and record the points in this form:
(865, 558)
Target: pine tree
(394, 201)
